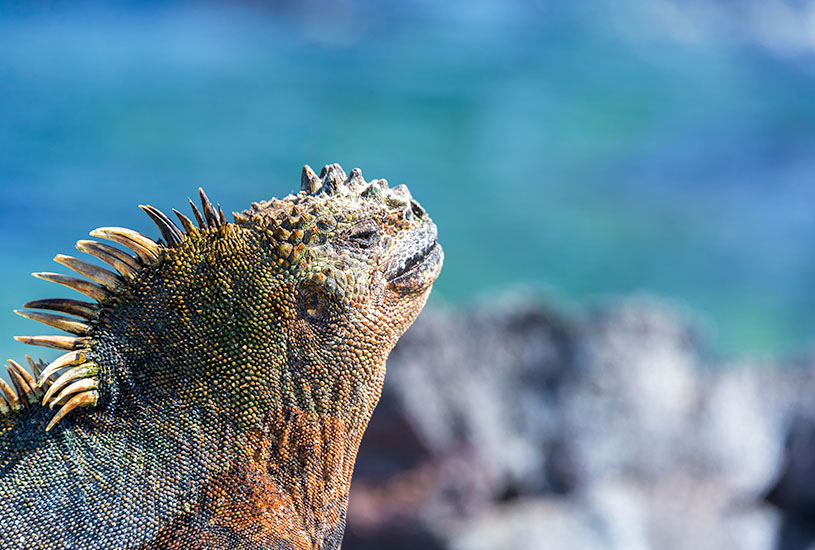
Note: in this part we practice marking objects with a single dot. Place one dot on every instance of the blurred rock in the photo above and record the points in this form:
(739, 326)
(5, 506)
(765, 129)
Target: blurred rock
(794, 490)
(635, 402)
(486, 386)
(510, 425)
(561, 524)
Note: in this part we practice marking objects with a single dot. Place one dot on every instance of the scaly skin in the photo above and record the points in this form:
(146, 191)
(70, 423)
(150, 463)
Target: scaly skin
(230, 380)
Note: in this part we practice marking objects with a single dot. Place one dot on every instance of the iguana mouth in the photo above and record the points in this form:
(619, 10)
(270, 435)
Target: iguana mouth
(418, 264)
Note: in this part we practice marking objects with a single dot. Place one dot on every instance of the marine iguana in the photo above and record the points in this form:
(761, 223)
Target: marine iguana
(215, 394)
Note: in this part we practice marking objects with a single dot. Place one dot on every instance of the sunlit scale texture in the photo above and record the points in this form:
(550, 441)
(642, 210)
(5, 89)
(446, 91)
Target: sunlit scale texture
(226, 380)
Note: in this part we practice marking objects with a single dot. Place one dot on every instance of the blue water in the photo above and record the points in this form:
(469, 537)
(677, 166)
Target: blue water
(581, 151)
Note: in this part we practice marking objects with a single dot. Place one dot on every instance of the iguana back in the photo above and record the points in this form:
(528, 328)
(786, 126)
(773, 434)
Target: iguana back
(214, 393)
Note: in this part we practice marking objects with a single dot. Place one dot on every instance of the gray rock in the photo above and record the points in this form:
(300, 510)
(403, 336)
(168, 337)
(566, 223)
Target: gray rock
(793, 492)
(637, 395)
(486, 384)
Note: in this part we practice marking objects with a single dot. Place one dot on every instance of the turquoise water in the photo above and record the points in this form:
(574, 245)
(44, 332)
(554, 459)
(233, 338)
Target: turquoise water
(577, 151)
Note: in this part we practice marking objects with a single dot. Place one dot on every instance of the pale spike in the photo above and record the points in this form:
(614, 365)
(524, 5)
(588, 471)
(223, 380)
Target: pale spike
(67, 359)
(209, 210)
(98, 275)
(86, 310)
(24, 374)
(22, 388)
(80, 400)
(80, 371)
(57, 321)
(36, 368)
(147, 249)
(80, 385)
(10, 395)
(202, 223)
(170, 231)
(4, 407)
(89, 289)
(121, 261)
(186, 223)
(56, 342)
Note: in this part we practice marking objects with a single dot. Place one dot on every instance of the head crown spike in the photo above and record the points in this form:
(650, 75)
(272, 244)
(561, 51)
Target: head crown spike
(309, 182)
(333, 176)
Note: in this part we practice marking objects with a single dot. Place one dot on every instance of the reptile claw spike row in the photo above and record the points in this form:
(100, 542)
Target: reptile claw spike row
(84, 399)
(186, 223)
(65, 360)
(124, 263)
(77, 308)
(59, 322)
(87, 288)
(80, 371)
(71, 380)
(100, 276)
(55, 342)
(170, 231)
(209, 210)
(146, 249)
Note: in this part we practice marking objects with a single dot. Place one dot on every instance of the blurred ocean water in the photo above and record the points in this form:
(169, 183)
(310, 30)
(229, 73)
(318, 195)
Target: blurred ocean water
(582, 150)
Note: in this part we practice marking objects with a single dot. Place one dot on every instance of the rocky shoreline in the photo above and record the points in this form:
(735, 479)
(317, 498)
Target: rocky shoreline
(511, 425)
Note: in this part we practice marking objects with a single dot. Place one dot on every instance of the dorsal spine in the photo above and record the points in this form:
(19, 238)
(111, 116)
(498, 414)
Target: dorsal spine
(72, 380)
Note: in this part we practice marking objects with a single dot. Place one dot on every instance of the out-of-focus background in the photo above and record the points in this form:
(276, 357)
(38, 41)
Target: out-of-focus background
(619, 351)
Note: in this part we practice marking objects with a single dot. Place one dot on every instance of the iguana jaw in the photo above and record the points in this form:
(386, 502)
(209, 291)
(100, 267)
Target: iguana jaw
(417, 262)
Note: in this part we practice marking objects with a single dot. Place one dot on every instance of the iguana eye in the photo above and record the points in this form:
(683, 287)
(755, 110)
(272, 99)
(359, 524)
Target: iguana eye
(312, 303)
(364, 235)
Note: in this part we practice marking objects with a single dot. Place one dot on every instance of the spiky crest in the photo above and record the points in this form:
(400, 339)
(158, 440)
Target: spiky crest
(72, 380)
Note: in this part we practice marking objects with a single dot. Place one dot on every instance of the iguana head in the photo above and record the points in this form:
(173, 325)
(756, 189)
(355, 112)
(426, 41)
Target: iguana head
(360, 258)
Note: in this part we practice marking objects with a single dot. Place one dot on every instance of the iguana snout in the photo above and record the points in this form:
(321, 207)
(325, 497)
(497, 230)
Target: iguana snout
(417, 260)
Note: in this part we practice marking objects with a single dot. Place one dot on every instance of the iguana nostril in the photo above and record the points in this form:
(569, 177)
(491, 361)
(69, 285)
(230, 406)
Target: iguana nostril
(417, 209)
